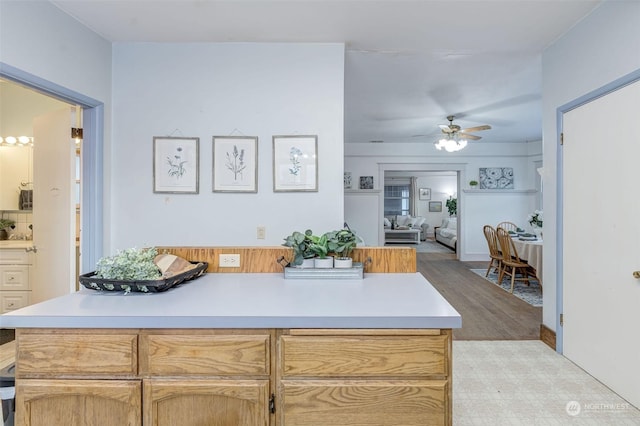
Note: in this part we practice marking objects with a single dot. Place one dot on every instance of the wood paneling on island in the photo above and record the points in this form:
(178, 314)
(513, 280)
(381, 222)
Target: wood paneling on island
(265, 259)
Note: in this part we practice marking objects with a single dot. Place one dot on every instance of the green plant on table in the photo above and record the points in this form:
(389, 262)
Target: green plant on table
(319, 245)
(342, 242)
(300, 243)
(129, 265)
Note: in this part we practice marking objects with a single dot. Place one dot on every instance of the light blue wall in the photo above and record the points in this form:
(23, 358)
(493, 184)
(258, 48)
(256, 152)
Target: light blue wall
(201, 90)
(600, 49)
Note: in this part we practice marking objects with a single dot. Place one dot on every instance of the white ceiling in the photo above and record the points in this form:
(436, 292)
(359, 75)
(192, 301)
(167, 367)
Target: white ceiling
(409, 64)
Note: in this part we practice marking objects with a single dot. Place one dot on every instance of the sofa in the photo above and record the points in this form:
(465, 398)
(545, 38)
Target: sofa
(447, 233)
(417, 222)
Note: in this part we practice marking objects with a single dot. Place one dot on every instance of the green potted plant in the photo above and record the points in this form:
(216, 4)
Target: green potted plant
(4, 224)
(320, 246)
(301, 245)
(342, 243)
(452, 206)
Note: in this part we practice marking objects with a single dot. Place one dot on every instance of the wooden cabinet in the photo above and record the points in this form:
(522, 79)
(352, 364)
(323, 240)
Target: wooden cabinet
(365, 377)
(206, 402)
(78, 402)
(15, 286)
(238, 377)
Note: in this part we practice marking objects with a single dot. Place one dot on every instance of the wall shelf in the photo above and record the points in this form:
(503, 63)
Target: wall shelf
(499, 191)
(362, 191)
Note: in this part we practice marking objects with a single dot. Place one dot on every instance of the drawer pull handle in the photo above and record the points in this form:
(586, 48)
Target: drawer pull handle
(636, 274)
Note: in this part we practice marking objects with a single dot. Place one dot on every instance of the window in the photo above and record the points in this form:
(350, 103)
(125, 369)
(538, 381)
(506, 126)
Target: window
(396, 200)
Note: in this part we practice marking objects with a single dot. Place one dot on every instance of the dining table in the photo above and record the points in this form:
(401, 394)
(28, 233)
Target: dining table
(531, 251)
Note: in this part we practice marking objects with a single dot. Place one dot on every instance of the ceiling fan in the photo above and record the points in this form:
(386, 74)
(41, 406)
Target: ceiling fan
(455, 138)
(455, 131)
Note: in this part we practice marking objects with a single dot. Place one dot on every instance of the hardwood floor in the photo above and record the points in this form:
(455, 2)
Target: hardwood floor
(488, 312)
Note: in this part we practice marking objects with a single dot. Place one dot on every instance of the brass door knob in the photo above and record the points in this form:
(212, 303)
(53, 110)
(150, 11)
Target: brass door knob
(636, 274)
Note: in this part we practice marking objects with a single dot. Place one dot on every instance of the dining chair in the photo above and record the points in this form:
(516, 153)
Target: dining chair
(508, 226)
(494, 250)
(511, 262)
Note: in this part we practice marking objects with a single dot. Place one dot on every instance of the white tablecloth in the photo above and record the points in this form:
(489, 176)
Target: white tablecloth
(532, 252)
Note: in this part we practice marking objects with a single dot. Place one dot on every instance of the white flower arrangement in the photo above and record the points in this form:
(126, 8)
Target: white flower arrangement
(535, 219)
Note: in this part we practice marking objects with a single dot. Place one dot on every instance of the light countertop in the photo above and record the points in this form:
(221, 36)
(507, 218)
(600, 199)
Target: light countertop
(235, 300)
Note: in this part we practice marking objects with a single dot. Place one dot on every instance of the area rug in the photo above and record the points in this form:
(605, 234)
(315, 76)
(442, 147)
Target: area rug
(531, 294)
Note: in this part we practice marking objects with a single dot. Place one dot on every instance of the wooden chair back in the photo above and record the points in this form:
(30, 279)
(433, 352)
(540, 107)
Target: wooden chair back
(492, 241)
(508, 226)
(508, 249)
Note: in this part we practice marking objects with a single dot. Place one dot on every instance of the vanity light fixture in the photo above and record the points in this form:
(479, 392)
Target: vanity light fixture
(16, 141)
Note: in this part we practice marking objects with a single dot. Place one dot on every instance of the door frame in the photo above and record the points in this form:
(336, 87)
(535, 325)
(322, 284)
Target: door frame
(92, 173)
(560, 111)
(458, 168)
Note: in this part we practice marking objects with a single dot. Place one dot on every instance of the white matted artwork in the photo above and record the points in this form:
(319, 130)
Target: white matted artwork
(347, 180)
(175, 165)
(425, 193)
(295, 163)
(496, 178)
(235, 164)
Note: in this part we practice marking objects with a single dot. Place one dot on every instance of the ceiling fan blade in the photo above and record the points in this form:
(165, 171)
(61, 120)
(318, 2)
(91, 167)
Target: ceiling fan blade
(445, 128)
(476, 128)
(472, 137)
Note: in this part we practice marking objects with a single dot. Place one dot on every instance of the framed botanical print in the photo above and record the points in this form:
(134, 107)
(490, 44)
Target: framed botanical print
(295, 163)
(235, 164)
(175, 165)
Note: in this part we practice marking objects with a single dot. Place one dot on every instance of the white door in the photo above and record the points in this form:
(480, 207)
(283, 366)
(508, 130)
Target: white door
(53, 206)
(601, 234)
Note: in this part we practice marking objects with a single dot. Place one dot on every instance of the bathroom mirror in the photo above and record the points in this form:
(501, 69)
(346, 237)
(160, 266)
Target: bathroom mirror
(16, 175)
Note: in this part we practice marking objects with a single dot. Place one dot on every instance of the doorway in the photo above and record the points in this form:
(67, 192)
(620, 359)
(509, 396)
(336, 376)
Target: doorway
(90, 159)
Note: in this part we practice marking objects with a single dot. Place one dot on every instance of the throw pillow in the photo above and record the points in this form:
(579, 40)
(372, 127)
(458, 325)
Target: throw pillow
(402, 220)
(419, 221)
(453, 223)
(412, 222)
(387, 222)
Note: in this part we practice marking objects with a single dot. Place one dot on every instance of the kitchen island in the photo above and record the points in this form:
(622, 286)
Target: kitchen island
(243, 349)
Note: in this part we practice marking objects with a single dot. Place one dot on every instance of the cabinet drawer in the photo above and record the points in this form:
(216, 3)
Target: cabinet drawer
(200, 354)
(14, 277)
(14, 257)
(74, 355)
(12, 300)
(364, 402)
(366, 356)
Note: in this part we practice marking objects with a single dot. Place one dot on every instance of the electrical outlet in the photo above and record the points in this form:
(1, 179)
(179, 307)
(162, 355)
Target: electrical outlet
(229, 260)
(261, 232)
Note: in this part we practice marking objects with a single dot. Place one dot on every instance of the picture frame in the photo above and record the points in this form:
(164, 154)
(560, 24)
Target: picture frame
(295, 163)
(424, 193)
(347, 180)
(235, 164)
(176, 165)
(366, 182)
(496, 177)
(435, 206)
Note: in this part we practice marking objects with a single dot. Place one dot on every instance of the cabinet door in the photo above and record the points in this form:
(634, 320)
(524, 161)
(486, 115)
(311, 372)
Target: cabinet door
(206, 402)
(364, 402)
(78, 402)
(12, 300)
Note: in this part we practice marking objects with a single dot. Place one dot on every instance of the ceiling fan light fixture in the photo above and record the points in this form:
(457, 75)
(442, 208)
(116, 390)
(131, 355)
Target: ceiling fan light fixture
(450, 144)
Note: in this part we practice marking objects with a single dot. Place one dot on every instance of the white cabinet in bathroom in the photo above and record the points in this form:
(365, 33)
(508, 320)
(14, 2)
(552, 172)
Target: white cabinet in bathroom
(15, 285)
